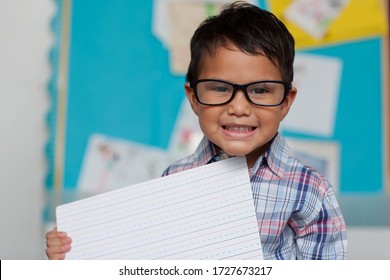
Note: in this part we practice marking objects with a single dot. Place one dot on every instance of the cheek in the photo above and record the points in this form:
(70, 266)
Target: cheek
(269, 116)
(208, 116)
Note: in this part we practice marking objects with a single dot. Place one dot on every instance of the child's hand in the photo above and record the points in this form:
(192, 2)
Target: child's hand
(57, 244)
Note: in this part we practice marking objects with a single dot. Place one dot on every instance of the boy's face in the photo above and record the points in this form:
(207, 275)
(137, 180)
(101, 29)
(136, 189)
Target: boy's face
(239, 127)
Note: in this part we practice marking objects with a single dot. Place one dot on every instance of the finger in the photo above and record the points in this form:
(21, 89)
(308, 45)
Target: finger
(54, 233)
(55, 252)
(66, 240)
(51, 242)
(57, 242)
(54, 238)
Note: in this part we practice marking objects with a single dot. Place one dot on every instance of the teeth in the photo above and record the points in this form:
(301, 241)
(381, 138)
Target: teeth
(239, 128)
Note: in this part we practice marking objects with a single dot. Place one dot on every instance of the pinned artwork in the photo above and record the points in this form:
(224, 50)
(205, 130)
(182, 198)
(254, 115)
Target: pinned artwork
(174, 22)
(111, 163)
(322, 22)
(315, 16)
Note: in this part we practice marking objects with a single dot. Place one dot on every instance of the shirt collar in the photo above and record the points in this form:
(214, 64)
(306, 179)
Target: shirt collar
(275, 157)
(207, 152)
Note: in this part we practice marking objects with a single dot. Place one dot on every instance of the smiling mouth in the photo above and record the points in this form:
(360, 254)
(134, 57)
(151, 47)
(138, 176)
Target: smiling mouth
(238, 128)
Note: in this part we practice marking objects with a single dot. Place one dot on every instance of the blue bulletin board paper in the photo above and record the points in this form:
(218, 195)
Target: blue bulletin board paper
(119, 84)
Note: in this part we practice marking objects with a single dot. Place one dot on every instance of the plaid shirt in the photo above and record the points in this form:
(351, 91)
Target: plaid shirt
(297, 212)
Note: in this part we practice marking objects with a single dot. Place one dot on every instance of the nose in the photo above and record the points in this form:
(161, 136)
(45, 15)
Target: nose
(239, 105)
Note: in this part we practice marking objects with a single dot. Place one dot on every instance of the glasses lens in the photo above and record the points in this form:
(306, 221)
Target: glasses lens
(214, 92)
(266, 93)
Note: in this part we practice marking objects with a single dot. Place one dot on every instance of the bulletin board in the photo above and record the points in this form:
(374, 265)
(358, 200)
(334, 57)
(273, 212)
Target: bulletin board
(113, 76)
(360, 122)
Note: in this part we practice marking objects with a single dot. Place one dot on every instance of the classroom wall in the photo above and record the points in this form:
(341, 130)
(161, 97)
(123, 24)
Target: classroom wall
(25, 41)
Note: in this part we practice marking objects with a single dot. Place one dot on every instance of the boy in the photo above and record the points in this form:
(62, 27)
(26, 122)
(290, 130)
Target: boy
(239, 85)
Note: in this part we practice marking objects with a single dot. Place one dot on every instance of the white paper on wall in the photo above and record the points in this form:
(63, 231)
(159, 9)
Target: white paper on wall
(317, 79)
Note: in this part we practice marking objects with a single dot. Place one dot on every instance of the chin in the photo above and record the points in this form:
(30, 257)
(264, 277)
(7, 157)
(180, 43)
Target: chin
(236, 152)
(244, 150)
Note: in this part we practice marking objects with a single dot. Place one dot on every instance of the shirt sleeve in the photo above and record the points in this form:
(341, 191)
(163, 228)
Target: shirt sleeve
(322, 233)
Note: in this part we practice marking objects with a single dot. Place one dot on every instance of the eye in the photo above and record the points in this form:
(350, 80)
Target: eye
(220, 89)
(258, 90)
(217, 87)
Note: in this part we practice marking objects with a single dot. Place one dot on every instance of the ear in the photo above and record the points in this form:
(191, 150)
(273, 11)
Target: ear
(191, 98)
(285, 107)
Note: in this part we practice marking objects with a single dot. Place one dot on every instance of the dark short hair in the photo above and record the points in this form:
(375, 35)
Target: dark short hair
(251, 29)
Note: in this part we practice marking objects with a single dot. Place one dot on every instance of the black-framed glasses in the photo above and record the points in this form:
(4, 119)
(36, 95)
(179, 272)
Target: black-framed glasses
(262, 93)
